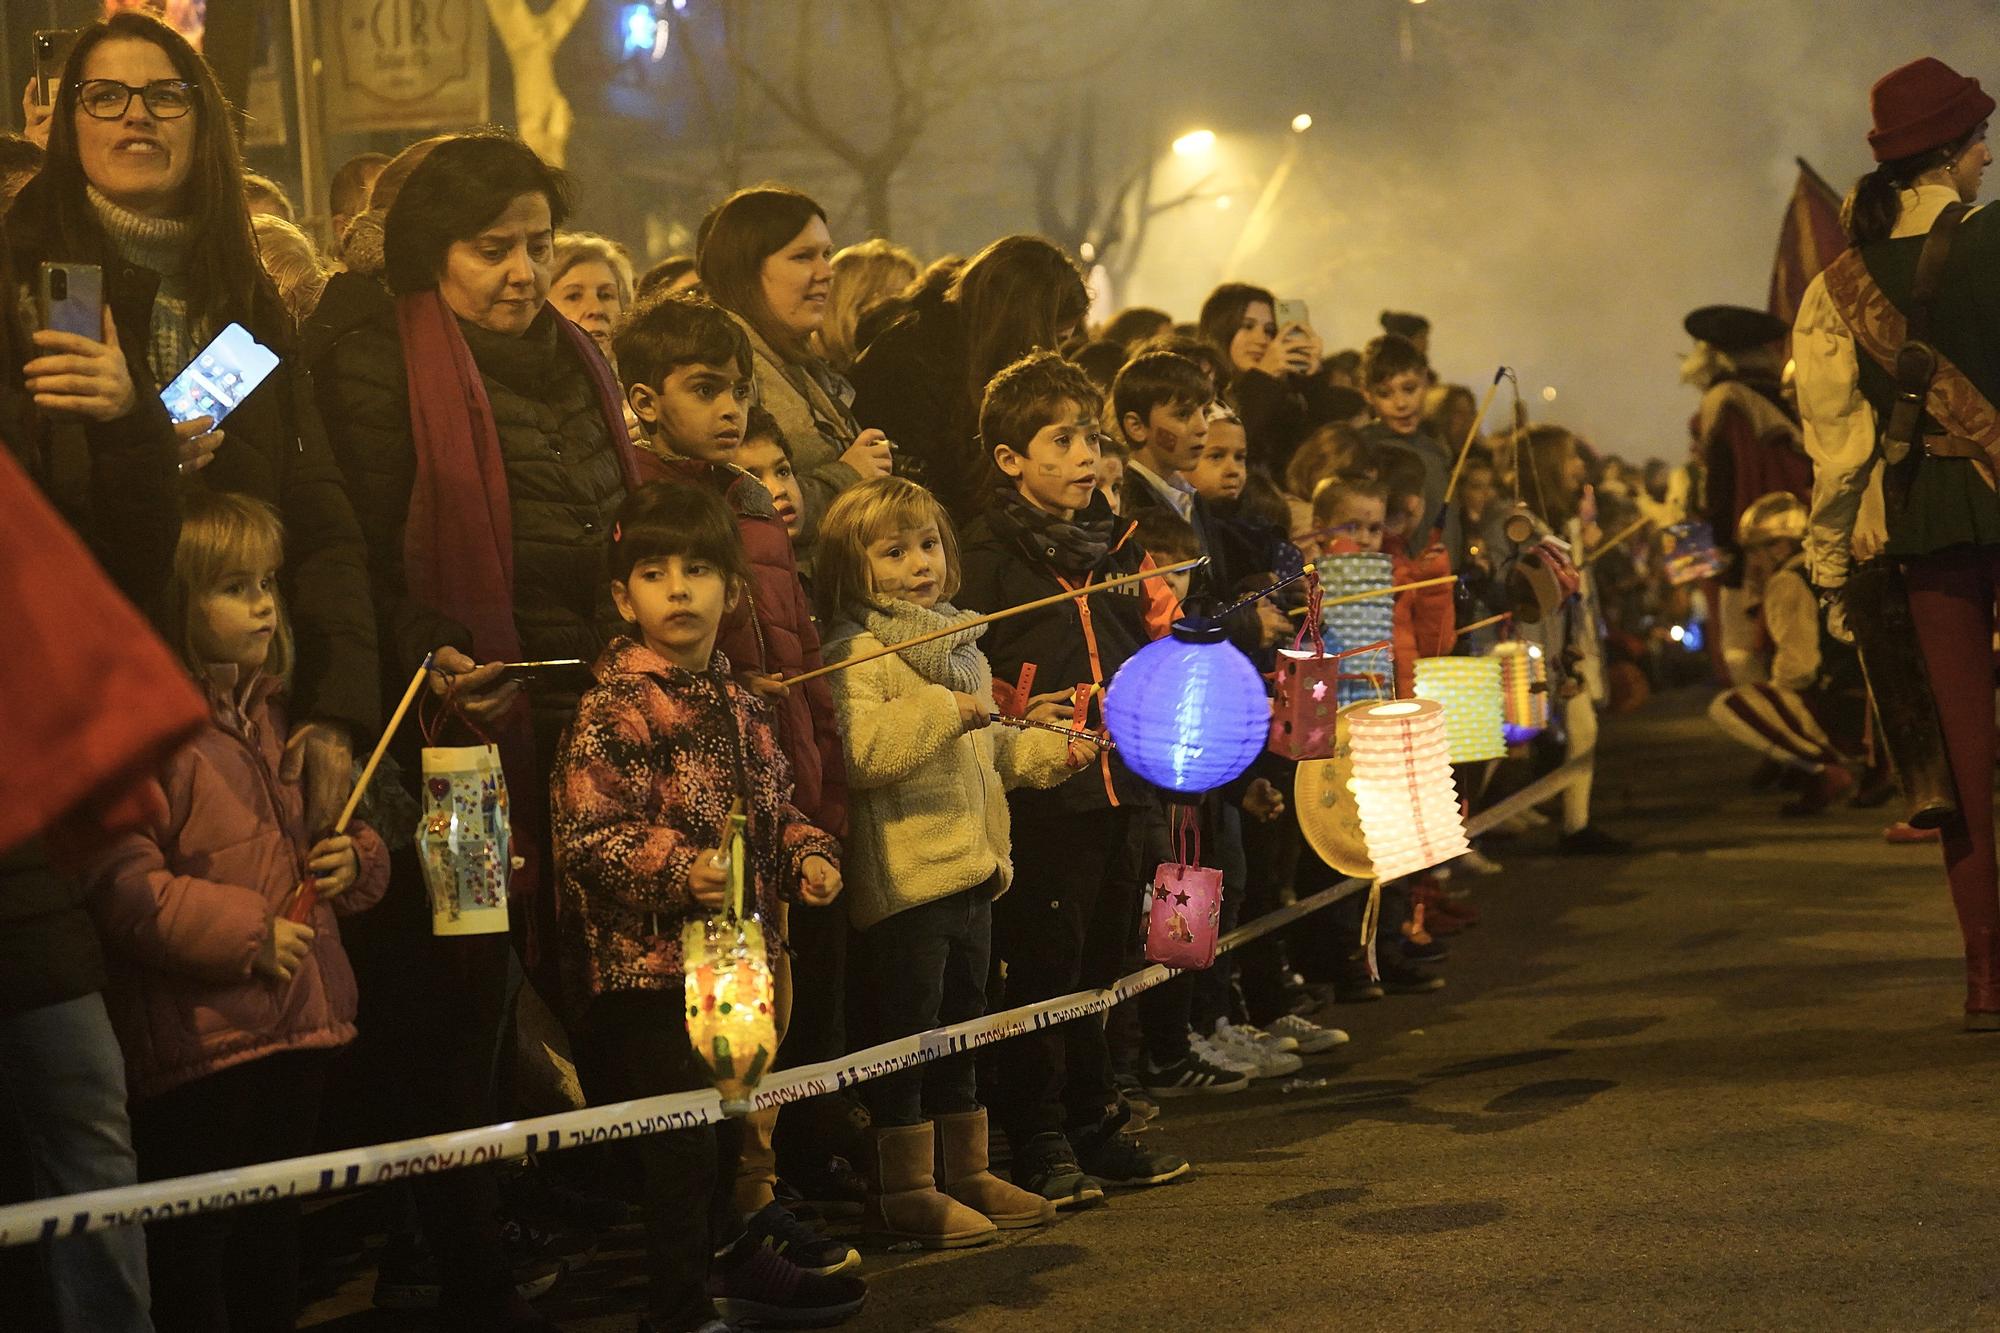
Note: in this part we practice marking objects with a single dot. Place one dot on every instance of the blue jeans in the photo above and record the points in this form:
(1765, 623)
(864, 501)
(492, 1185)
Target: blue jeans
(926, 967)
(61, 1071)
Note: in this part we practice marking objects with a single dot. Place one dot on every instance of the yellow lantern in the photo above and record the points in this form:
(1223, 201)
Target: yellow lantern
(1524, 690)
(1469, 689)
(1402, 785)
(731, 1001)
(1328, 817)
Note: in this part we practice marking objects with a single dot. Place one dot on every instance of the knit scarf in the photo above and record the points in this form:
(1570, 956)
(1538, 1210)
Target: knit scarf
(953, 661)
(458, 541)
(160, 245)
(1073, 545)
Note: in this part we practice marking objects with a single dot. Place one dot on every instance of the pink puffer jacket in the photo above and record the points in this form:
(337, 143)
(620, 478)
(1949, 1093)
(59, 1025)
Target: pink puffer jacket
(185, 904)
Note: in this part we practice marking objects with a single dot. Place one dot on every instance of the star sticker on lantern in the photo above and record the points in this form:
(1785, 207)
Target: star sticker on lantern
(1319, 689)
(1316, 737)
(1181, 898)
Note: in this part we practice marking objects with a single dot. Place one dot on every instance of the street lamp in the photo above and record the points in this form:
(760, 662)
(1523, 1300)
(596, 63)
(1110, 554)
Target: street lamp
(1195, 143)
(1301, 123)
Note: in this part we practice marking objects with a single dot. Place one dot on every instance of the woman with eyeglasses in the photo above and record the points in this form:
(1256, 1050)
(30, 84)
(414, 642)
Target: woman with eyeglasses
(143, 178)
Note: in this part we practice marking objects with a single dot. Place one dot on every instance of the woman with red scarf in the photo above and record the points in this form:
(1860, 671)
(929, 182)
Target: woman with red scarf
(483, 436)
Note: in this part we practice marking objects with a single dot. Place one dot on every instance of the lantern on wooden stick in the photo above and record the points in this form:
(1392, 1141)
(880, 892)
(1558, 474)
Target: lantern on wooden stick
(731, 1001)
(1360, 623)
(1524, 690)
(1188, 712)
(1470, 690)
(1403, 787)
(1305, 688)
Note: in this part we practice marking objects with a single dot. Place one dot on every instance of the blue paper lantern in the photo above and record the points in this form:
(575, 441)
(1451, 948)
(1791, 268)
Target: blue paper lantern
(1188, 712)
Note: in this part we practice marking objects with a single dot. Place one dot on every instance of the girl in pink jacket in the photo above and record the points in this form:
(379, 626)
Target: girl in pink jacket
(227, 1010)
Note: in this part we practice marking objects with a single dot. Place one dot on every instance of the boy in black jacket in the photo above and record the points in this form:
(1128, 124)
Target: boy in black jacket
(1071, 913)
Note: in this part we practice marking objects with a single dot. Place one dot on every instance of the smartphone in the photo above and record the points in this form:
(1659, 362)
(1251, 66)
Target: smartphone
(222, 375)
(1292, 313)
(70, 298)
(52, 48)
(555, 673)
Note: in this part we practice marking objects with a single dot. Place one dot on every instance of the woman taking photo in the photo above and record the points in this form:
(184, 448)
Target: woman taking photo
(767, 258)
(1274, 373)
(144, 180)
(922, 378)
(1925, 505)
(487, 500)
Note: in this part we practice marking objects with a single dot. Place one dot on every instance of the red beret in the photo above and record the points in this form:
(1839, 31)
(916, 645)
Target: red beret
(1923, 105)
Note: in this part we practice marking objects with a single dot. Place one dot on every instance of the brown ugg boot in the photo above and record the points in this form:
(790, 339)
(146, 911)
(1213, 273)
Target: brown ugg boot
(962, 1173)
(903, 1200)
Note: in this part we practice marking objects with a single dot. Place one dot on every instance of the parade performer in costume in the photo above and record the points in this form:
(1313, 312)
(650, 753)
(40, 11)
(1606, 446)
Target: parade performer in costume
(1747, 437)
(1898, 372)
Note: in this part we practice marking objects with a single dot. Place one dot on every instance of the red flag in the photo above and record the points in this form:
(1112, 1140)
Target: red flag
(1811, 239)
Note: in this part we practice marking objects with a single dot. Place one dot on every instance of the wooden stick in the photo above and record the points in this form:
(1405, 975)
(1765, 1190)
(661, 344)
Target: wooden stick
(1482, 624)
(1379, 592)
(368, 771)
(1465, 450)
(992, 616)
(1631, 530)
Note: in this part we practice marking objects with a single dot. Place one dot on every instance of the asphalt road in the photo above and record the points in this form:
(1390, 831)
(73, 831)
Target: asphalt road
(1718, 1084)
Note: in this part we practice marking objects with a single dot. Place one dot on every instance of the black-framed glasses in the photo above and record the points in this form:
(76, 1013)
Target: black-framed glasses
(106, 99)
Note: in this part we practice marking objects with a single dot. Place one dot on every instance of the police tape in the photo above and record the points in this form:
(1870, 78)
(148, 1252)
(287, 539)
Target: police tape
(331, 1172)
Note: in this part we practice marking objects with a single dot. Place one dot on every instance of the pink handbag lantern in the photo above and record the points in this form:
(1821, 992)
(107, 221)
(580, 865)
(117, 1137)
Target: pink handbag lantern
(1185, 912)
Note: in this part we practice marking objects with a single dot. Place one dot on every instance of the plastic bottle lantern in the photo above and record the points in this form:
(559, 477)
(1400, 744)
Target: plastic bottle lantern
(1469, 689)
(731, 1003)
(1524, 690)
(1188, 712)
(464, 841)
(1402, 786)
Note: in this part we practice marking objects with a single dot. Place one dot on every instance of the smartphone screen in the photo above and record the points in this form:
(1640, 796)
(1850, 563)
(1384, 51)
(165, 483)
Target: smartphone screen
(1292, 313)
(222, 375)
(52, 48)
(71, 297)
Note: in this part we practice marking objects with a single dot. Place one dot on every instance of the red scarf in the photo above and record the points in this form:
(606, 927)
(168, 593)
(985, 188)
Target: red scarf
(458, 542)
(90, 700)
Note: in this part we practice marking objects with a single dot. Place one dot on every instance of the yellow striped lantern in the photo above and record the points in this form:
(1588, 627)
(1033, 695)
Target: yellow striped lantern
(1402, 785)
(1469, 688)
(1524, 690)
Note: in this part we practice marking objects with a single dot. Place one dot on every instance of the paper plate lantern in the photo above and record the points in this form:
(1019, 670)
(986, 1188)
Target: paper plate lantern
(732, 1016)
(1524, 690)
(1324, 802)
(1469, 689)
(1188, 712)
(1402, 786)
(1352, 625)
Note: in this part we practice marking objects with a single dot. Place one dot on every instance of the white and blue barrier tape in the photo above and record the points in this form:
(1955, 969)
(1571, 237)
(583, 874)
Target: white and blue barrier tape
(327, 1173)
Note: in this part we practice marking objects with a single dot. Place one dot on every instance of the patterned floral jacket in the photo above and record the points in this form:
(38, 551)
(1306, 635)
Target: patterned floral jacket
(644, 781)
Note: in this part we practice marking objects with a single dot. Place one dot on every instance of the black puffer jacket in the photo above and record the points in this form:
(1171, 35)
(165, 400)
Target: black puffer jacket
(564, 481)
(1005, 563)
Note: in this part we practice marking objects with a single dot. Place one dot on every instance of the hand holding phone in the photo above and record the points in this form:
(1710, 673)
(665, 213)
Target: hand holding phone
(81, 376)
(221, 376)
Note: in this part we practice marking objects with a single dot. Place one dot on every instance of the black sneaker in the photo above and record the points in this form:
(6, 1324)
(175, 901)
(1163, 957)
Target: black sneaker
(1353, 985)
(406, 1276)
(1110, 1153)
(542, 1194)
(774, 1226)
(1137, 1100)
(1406, 978)
(754, 1284)
(1434, 952)
(1047, 1166)
(1193, 1076)
(1592, 841)
(833, 1187)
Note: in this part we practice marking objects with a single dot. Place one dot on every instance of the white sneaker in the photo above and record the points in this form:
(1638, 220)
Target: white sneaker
(1215, 1053)
(1478, 863)
(1311, 1037)
(1246, 1050)
(1264, 1039)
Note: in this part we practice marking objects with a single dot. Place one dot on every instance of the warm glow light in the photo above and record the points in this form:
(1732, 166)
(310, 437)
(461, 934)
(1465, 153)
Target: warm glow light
(1195, 143)
(1087, 251)
(1222, 201)
(1548, 393)
(1402, 784)
(1301, 123)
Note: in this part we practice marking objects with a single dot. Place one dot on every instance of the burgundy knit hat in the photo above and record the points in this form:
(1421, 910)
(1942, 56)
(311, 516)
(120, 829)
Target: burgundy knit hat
(1923, 105)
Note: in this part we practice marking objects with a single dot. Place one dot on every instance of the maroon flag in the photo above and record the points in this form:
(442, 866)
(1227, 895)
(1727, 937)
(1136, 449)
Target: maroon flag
(1811, 239)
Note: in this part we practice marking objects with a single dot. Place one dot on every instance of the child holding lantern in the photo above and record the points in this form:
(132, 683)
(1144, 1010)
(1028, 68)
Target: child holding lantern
(662, 747)
(227, 1010)
(928, 848)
